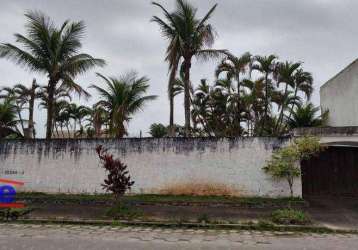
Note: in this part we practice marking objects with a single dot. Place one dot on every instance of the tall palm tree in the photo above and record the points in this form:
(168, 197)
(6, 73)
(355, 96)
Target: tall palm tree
(61, 98)
(27, 96)
(188, 37)
(233, 67)
(285, 74)
(122, 98)
(53, 51)
(303, 82)
(265, 65)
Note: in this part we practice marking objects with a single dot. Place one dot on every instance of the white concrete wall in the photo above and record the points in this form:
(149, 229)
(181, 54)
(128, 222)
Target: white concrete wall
(339, 96)
(71, 166)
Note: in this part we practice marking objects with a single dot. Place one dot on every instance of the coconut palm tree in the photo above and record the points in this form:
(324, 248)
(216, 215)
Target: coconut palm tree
(54, 51)
(122, 98)
(188, 37)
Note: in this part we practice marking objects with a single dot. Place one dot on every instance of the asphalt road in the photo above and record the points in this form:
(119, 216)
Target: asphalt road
(48, 237)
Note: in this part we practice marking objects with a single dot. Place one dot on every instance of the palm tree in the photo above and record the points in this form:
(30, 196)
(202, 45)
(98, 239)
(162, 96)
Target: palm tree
(158, 130)
(27, 96)
(233, 67)
(285, 74)
(303, 82)
(188, 37)
(8, 118)
(60, 98)
(122, 98)
(97, 118)
(265, 65)
(53, 51)
(19, 94)
(306, 116)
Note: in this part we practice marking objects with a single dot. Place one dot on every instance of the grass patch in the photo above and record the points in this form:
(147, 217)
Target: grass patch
(123, 211)
(290, 217)
(157, 198)
(14, 213)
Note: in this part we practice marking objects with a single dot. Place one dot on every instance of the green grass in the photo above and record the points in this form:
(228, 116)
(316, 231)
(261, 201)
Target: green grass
(153, 198)
(14, 213)
(290, 217)
(122, 211)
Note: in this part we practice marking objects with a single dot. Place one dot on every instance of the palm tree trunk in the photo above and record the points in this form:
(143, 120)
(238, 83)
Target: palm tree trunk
(280, 118)
(31, 131)
(293, 104)
(171, 131)
(50, 106)
(187, 66)
(266, 95)
(56, 129)
(20, 118)
(173, 71)
(266, 104)
(68, 130)
(238, 101)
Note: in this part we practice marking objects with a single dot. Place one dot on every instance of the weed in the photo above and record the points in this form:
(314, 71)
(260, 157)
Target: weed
(204, 218)
(123, 211)
(290, 217)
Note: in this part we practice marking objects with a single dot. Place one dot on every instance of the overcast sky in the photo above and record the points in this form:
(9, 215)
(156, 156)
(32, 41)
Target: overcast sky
(321, 33)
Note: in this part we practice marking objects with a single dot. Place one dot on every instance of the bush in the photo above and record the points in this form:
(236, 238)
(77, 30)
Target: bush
(13, 213)
(285, 162)
(290, 217)
(118, 180)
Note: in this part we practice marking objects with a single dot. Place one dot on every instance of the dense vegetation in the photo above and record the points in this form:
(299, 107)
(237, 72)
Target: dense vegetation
(252, 95)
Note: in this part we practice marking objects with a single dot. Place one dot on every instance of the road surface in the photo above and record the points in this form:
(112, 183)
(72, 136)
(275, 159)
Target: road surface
(49, 237)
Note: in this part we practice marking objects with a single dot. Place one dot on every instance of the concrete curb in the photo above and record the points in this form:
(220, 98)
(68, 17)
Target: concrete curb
(257, 226)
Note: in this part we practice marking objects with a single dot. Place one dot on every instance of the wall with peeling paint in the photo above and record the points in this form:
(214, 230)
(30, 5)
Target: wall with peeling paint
(72, 166)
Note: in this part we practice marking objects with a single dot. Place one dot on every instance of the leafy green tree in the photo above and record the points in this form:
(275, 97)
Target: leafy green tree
(188, 37)
(158, 130)
(53, 51)
(285, 162)
(122, 98)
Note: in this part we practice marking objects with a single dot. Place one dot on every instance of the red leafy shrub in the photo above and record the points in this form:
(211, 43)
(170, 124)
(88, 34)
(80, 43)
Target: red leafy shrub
(118, 180)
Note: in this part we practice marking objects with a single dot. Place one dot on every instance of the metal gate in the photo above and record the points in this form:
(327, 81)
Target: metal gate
(332, 172)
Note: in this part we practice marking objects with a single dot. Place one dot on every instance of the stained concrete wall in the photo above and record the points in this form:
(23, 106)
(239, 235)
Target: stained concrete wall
(339, 96)
(72, 166)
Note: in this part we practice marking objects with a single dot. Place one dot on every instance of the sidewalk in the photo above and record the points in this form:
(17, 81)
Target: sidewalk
(334, 213)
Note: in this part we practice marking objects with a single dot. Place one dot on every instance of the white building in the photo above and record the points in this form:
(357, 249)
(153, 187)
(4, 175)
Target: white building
(340, 96)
